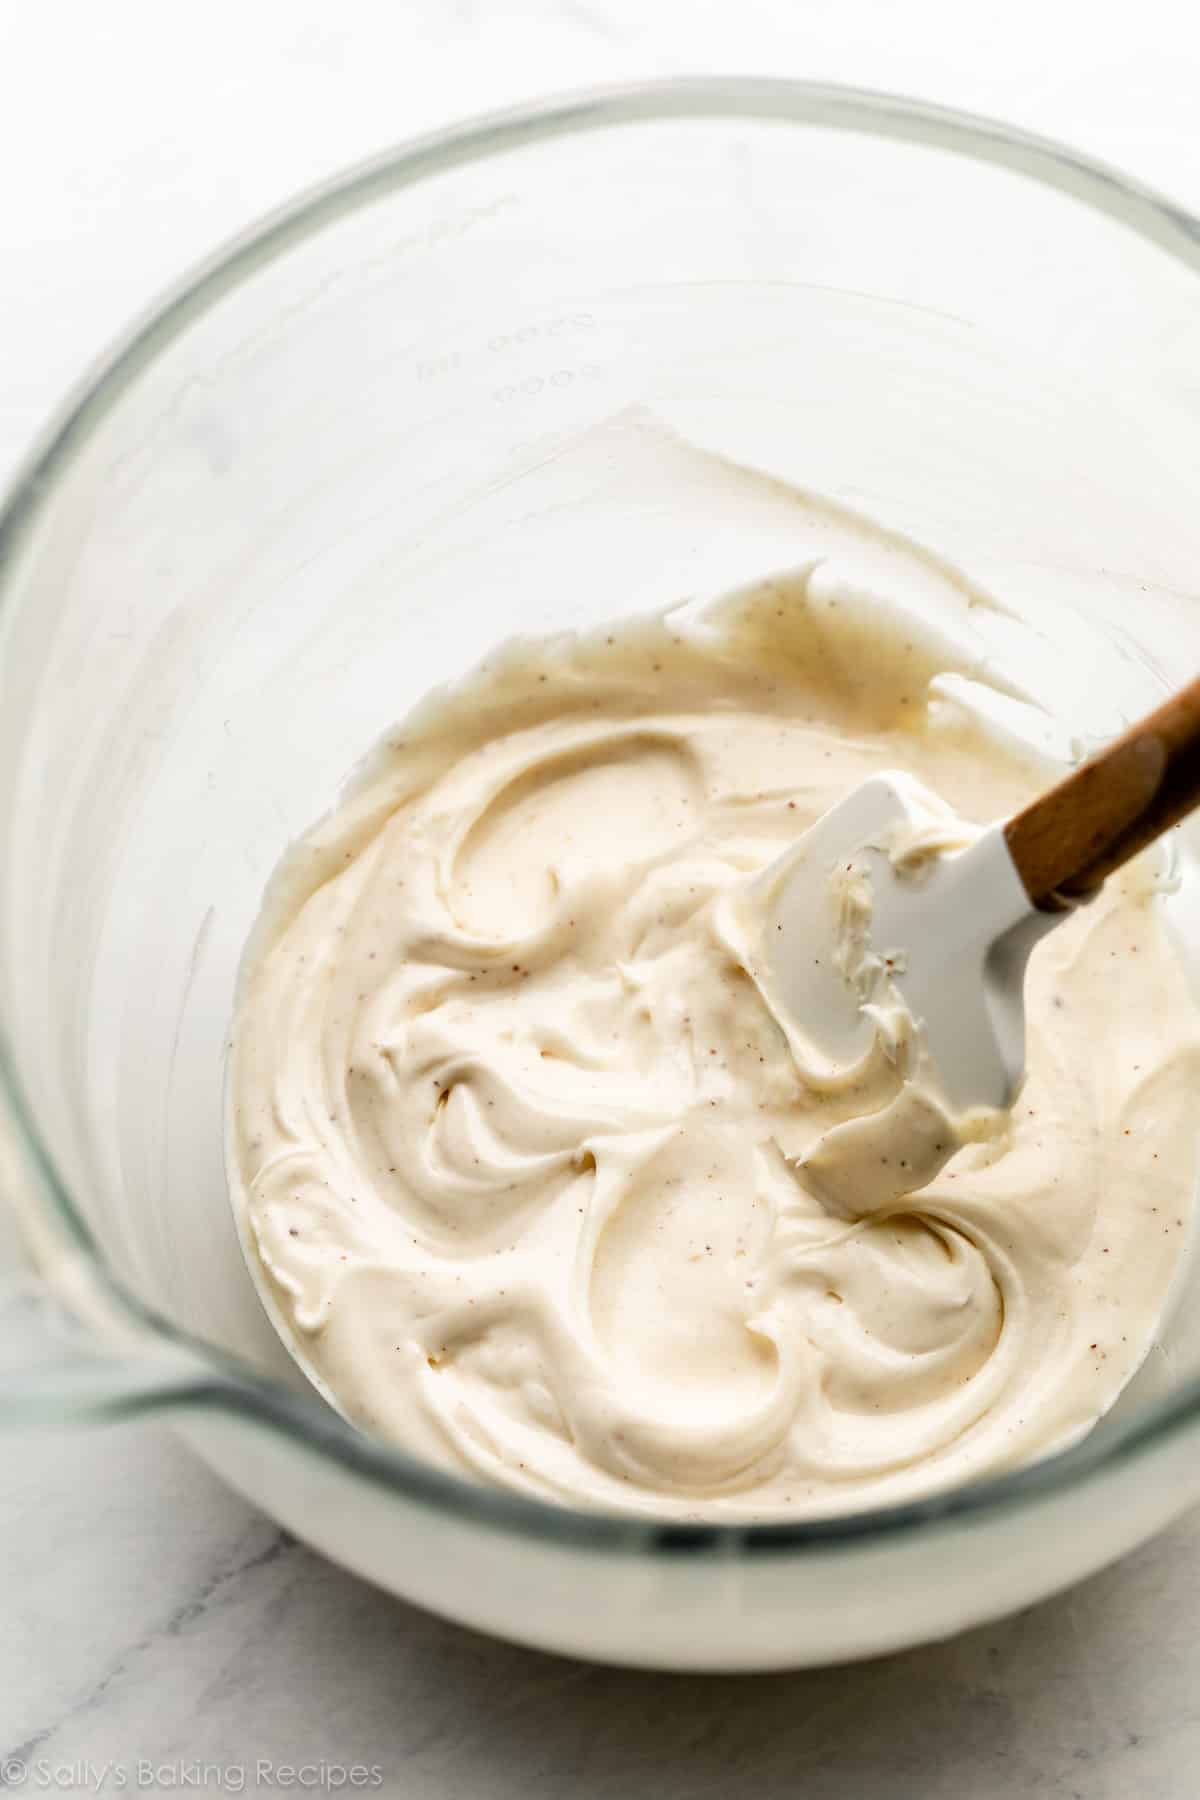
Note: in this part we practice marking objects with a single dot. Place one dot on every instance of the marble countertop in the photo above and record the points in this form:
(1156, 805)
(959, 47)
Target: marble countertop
(159, 1633)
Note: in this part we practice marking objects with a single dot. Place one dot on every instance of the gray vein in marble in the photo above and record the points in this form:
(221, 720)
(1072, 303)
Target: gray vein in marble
(243, 1564)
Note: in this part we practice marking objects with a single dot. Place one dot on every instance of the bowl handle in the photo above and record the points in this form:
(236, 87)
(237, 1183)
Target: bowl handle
(54, 1371)
(72, 1348)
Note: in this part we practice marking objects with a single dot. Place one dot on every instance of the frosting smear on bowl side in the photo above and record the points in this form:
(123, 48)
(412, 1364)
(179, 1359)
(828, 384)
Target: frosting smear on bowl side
(518, 1145)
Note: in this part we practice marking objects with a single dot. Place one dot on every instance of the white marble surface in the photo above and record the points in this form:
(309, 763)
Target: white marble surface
(151, 1615)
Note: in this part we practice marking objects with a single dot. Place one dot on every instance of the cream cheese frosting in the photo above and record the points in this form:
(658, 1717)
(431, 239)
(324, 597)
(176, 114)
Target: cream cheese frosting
(529, 1170)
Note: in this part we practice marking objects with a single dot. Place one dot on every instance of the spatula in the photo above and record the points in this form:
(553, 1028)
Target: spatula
(851, 920)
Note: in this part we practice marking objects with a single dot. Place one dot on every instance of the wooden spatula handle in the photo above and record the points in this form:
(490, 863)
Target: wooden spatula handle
(1068, 840)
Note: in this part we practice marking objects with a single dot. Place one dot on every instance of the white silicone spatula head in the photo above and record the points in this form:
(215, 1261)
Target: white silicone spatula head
(877, 915)
(866, 914)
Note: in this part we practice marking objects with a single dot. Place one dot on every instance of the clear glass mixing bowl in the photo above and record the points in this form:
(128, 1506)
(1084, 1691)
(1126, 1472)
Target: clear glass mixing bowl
(326, 474)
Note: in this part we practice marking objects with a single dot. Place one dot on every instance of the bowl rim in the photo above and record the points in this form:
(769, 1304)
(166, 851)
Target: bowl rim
(220, 1381)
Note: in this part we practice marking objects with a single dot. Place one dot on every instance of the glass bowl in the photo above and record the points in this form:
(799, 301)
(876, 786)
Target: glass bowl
(388, 428)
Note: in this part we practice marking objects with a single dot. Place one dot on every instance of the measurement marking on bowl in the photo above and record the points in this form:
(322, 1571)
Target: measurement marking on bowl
(533, 385)
(452, 362)
(529, 334)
